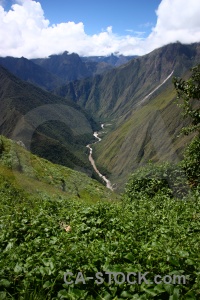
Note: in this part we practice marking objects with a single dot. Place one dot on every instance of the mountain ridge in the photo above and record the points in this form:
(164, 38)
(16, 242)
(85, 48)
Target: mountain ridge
(132, 97)
(46, 124)
(28, 71)
(114, 93)
(140, 90)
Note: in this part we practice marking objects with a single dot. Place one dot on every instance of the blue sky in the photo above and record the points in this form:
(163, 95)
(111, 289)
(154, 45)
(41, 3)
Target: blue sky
(32, 28)
(97, 15)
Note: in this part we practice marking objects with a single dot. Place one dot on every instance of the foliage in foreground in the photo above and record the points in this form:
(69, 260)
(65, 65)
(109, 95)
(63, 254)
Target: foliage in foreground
(151, 230)
(159, 235)
(188, 92)
(165, 179)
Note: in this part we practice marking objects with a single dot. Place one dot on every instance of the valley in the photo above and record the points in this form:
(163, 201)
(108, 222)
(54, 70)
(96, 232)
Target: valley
(99, 172)
(133, 95)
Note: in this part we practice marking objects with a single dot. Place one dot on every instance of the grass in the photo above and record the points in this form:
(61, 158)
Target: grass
(35, 174)
(130, 145)
(157, 234)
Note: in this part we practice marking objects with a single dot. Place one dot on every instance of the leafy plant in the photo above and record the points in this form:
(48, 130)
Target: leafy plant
(189, 92)
(165, 179)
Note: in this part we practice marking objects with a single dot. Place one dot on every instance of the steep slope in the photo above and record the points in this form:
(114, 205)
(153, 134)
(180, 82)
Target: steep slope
(36, 177)
(69, 67)
(114, 94)
(28, 71)
(66, 66)
(150, 133)
(138, 100)
(112, 60)
(50, 126)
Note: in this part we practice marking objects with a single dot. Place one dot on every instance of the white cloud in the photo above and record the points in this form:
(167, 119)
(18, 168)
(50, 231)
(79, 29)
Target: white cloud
(177, 20)
(24, 31)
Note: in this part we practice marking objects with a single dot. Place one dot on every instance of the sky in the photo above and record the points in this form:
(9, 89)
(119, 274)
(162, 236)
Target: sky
(39, 28)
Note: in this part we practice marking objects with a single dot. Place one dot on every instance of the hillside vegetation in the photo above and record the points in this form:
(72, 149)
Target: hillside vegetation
(55, 220)
(151, 133)
(30, 72)
(66, 236)
(52, 127)
(112, 95)
(138, 100)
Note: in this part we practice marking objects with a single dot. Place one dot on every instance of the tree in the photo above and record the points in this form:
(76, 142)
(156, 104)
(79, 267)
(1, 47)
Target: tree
(188, 91)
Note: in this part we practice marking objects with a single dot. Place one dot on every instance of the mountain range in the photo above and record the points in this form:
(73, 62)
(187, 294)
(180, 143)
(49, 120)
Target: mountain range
(50, 126)
(138, 100)
(71, 67)
(62, 118)
(135, 95)
(54, 71)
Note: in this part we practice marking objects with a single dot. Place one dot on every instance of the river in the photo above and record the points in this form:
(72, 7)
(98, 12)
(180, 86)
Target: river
(96, 135)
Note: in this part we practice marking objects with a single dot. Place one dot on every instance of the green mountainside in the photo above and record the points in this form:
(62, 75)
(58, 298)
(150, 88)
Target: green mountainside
(50, 126)
(35, 176)
(137, 99)
(150, 133)
(113, 95)
(55, 220)
(26, 70)
(70, 67)
(64, 235)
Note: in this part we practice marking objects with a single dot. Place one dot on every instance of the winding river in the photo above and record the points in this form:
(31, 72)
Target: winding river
(96, 135)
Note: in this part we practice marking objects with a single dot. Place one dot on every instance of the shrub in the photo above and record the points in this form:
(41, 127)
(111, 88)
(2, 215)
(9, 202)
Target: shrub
(166, 179)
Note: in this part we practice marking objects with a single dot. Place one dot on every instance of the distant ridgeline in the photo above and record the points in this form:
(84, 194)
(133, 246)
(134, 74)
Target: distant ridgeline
(134, 94)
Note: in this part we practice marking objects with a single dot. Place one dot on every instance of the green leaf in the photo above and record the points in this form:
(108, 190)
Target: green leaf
(176, 293)
(159, 288)
(130, 257)
(42, 271)
(107, 296)
(5, 283)
(190, 296)
(125, 294)
(47, 284)
(18, 268)
(150, 291)
(183, 253)
(2, 295)
(63, 294)
(169, 288)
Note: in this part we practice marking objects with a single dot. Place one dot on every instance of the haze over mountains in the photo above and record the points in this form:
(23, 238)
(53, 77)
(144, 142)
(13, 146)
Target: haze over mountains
(134, 94)
(52, 72)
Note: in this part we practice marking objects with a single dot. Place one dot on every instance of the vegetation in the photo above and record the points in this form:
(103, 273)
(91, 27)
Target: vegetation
(165, 179)
(189, 92)
(54, 220)
(60, 128)
(158, 235)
